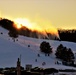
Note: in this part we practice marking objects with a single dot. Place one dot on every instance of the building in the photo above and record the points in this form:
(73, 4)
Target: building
(28, 67)
(18, 67)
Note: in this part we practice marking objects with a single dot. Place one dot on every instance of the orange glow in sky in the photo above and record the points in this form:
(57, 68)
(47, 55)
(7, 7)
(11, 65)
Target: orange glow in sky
(61, 13)
(39, 25)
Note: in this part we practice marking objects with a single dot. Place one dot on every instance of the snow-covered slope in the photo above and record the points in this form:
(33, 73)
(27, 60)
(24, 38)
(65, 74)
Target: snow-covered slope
(10, 51)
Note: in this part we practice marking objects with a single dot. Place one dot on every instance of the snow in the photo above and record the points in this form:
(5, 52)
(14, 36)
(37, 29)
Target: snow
(10, 51)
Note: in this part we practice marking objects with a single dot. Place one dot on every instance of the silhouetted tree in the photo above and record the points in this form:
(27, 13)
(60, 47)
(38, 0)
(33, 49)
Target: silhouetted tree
(13, 34)
(70, 55)
(58, 51)
(64, 54)
(7, 24)
(45, 47)
(67, 35)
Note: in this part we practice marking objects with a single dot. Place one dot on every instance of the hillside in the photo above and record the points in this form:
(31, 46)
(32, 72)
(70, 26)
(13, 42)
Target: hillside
(12, 26)
(10, 51)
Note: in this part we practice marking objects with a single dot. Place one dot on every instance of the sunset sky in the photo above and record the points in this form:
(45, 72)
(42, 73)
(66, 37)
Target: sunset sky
(61, 13)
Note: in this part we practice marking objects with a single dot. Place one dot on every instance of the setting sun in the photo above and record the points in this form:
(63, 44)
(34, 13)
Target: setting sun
(22, 22)
(18, 25)
(27, 23)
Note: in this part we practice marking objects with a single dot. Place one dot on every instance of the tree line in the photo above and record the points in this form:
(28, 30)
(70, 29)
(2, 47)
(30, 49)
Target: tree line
(24, 31)
(63, 53)
(67, 35)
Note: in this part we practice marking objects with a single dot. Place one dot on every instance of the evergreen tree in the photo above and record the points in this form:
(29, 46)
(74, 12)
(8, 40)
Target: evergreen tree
(58, 51)
(64, 54)
(13, 34)
(70, 55)
(45, 47)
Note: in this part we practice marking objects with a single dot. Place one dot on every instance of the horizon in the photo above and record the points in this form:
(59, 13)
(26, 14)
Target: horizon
(56, 28)
(60, 13)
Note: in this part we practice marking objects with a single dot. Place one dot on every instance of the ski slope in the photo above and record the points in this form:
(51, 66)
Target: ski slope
(10, 51)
